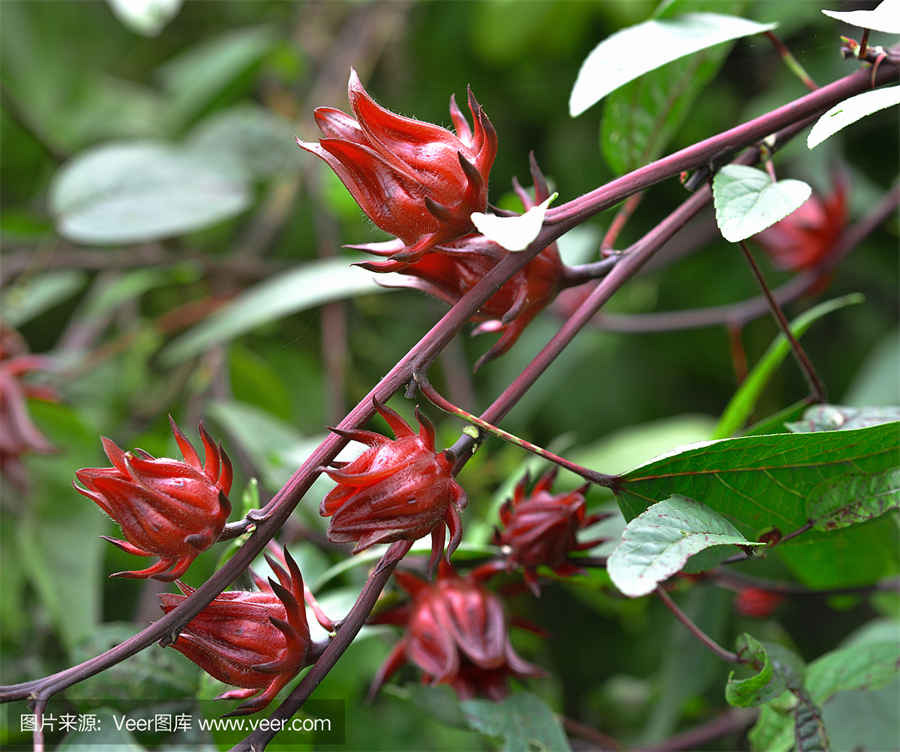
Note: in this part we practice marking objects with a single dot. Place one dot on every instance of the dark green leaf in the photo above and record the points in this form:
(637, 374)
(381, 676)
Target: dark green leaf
(854, 499)
(657, 543)
(760, 482)
(741, 405)
(523, 721)
(747, 201)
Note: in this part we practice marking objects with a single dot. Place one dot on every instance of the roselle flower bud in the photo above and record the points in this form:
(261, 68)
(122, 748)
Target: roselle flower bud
(415, 180)
(165, 507)
(757, 603)
(399, 489)
(805, 238)
(541, 529)
(456, 633)
(449, 270)
(18, 434)
(257, 641)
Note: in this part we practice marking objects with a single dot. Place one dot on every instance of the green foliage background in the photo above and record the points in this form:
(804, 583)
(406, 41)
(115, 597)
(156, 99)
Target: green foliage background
(73, 73)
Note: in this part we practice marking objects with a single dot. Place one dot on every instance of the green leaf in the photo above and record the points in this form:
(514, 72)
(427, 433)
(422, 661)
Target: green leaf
(197, 76)
(523, 721)
(761, 482)
(741, 405)
(747, 201)
(842, 418)
(257, 141)
(30, 297)
(765, 685)
(634, 51)
(641, 117)
(854, 499)
(657, 543)
(513, 233)
(146, 17)
(863, 719)
(141, 191)
(850, 110)
(777, 422)
(869, 665)
(883, 17)
(307, 286)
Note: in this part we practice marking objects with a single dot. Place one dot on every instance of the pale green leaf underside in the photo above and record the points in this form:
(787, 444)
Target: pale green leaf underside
(307, 286)
(658, 543)
(747, 201)
(634, 51)
(513, 233)
(850, 110)
(884, 17)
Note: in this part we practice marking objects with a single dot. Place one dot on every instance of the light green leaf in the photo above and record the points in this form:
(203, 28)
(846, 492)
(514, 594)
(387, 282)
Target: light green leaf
(641, 117)
(523, 721)
(141, 191)
(883, 17)
(765, 685)
(761, 482)
(307, 286)
(864, 720)
(741, 405)
(195, 77)
(747, 201)
(147, 17)
(657, 543)
(513, 233)
(257, 141)
(630, 53)
(843, 418)
(850, 110)
(30, 297)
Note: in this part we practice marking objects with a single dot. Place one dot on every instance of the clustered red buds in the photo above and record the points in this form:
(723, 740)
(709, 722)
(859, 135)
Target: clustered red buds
(757, 603)
(805, 238)
(18, 434)
(257, 641)
(449, 270)
(415, 180)
(540, 529)
(456, 633)
(165, 507)
(399, 489)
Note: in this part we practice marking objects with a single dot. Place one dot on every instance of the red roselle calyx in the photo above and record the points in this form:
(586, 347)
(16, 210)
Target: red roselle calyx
(540, 529)
(399, 489)
(456, 633)
(165, 507)
(449, 270)
(257, 641)
(415, 180)
(18, 434)
(757, 603)
(805, 238)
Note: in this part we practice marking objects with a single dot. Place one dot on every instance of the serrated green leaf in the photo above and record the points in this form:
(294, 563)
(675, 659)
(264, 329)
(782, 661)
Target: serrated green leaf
(140, 191)
(658, 543)
(741, 405)
(854, 499)
(883, 17)
(843, 418)
(747, 201)
(634, 51)
(765, 685)
(760, 482)
(850, 110)
(523, 721)
(307, 286)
